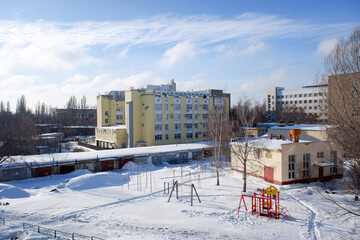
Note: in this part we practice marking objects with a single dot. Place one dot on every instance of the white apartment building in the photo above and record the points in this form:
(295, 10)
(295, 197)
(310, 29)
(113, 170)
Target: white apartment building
(309, 98)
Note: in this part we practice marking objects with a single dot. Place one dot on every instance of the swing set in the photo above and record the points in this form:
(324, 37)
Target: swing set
(266, 203)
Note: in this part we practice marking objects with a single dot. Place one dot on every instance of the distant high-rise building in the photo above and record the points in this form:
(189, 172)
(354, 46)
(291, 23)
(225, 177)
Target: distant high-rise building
(155, 115)
(311, 99)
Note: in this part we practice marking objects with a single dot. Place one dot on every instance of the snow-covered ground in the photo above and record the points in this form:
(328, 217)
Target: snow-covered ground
(105, 205)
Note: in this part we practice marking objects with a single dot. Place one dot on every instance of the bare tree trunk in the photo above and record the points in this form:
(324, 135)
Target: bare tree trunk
(244, 176)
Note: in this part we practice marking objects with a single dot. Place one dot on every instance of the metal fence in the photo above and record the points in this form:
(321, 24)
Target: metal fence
(58, 234)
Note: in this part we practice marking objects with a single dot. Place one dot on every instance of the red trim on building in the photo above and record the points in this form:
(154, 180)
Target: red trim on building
(325, 178)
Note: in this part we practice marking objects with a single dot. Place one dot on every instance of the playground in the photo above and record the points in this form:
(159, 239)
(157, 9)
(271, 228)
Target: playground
(135, 203)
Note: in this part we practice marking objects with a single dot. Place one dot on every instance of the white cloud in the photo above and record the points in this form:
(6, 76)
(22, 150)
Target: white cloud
(257, 87)
(135, 81)
(32, 54)
(175, 54)
(326, 46)
(123, 53)
(78, 78)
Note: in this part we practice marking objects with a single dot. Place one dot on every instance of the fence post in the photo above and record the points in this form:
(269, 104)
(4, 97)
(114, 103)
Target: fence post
(73, 237)
(55, 233)
(38, 229)
(191, 194)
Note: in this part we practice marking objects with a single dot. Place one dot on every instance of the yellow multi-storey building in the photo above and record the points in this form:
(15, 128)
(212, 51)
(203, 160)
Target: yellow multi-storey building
(155, 115)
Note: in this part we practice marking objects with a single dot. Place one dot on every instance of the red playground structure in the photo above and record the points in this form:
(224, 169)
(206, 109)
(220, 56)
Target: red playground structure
(266, 203)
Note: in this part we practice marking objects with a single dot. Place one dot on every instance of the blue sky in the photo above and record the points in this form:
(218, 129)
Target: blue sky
(50, 50)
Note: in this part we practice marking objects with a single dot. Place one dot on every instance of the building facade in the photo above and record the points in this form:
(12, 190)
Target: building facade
(281, 161)
(155, 115)
(311, 99)
(344, 104)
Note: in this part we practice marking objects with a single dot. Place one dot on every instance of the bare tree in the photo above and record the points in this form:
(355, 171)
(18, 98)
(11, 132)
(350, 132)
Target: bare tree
(18, 135)
(21, 105)
(244, 145)
(219, 136)
(8, 109)
(2, 107)
(342, 68)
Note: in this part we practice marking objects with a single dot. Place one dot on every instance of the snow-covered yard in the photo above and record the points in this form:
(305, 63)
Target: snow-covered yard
(105, 205)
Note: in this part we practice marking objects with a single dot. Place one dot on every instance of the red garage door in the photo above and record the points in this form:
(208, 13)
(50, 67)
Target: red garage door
(107, 165)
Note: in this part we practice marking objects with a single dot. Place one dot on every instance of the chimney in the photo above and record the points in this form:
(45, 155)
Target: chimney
(295, 133)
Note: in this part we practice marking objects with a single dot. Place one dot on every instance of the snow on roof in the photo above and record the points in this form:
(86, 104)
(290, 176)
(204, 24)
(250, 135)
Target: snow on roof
(124, 152)
(324, 164)
(271, 144)
(311, 127)
(115, 127)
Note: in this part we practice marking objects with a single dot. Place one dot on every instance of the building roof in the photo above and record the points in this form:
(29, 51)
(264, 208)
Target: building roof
(271, 144)
(120, 153)
(313, 127)
(115, 127)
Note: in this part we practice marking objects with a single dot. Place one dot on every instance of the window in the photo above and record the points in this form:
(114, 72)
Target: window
(166, 136)
(177, 136)
(354, 104)
(295, 95)
(355, 113)
(296, 102)
(177, 107)
(310, 94)
(291, 102)
(310, 107)
(333, 159)
(315, 94)
(106, 120)
(196, 135)
(177, 126)
(305, 101)
(291, 166)
(166, 127)
(310, 101)
(355, 93)
(158, 116)
(158, 127)
(300, 95)
(205, 116)
(355, 83)
(189, 135)
(306, 165)
(188, 107)
(106, 113)
(188, 116)
(158, 137)
(205, 107)
(287, 102)
(320, 155)
(158, 107)
(300, 101)
(188, 125)
(305, 95)
(177, 116)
